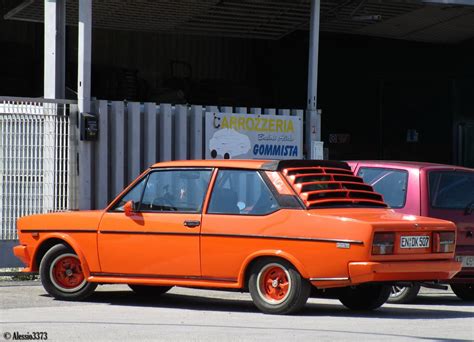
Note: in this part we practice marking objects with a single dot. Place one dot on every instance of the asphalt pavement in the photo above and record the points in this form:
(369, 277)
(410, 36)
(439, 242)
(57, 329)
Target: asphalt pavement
(115, 313)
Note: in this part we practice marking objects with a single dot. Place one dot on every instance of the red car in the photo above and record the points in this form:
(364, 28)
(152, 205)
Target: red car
(434, 190)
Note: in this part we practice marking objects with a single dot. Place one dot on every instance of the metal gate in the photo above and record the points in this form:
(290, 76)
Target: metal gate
(37, 160)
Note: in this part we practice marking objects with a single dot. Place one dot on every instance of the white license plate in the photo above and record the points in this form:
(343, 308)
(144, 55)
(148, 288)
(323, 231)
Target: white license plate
(467, 260)
(415, 241)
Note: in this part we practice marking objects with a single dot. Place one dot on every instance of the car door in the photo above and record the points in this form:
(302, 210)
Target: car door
(450, 196)
(161, 236)
(241, 205)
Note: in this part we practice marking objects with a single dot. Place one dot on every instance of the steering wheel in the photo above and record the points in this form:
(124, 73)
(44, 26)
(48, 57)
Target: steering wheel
(162, 202)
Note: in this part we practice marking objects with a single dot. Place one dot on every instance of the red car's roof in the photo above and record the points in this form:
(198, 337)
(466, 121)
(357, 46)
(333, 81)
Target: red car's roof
(408, 164)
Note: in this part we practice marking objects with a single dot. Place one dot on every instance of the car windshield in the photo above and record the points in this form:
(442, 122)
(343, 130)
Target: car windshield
(390, 183)
(451, 189)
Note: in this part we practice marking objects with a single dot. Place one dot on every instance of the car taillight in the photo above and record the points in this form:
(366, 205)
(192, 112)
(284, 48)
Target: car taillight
(445, 242)
(383, 243)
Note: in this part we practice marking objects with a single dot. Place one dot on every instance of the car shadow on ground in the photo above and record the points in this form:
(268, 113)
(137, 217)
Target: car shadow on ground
(204, 303)
(444, 300)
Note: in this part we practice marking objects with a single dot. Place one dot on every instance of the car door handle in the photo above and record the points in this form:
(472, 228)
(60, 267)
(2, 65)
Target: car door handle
(192, 223)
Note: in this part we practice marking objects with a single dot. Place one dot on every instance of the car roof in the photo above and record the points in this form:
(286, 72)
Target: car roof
(232, 163)
(252, 164)
(408, 164)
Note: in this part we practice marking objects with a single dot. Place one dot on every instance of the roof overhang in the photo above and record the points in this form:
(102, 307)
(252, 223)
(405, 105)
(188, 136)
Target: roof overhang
(435, 21)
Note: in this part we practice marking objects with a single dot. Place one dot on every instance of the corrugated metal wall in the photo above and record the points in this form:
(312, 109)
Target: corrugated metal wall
(133, 136)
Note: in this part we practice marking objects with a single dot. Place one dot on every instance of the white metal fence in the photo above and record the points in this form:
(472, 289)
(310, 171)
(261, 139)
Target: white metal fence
(37, 155)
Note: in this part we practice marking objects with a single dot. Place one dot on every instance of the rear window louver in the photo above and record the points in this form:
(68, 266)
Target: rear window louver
(321, 187)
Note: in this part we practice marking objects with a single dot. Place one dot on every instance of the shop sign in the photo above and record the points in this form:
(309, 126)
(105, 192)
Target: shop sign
(247, 136)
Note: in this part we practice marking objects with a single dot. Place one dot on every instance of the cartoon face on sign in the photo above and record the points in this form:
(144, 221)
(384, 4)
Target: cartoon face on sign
(228, 143)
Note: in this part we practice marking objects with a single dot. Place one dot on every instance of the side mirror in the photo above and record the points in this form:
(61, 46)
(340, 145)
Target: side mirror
(129, 208)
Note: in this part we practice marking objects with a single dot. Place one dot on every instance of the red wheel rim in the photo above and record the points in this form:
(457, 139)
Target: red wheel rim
(67, 272)
(274, 283)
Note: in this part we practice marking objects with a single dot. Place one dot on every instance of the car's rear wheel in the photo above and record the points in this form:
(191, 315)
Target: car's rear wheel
(364, 297)
(149, 290)
(62, 276)
(464, 291)
(277, 287)
(403, 294)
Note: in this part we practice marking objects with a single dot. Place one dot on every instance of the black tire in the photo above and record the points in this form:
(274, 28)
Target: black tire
(464, 291)
(290, 298)
(403, 294)
(149, 290)
(364, 297)
(62, 276)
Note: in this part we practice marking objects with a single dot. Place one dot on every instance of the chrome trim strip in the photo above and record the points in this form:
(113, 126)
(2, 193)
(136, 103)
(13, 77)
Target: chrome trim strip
(140, 232)
(242, 236)
(274, 237)
(32, 230)
(328, 279)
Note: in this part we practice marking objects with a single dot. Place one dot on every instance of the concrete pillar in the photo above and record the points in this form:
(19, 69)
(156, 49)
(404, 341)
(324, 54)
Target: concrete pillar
(86, 156)
(54, 49)
(313, 121)
(84, 55)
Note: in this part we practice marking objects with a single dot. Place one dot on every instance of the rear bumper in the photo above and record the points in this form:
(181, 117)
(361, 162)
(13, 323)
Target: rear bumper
(363, 272)
(21, 252)
(466, 275)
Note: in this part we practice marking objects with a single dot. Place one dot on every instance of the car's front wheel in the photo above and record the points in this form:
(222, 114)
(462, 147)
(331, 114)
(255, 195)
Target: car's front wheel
(149, 290)
(403, 294)
(464, 291)
(62, 276)
(364, 297)
(277, 287)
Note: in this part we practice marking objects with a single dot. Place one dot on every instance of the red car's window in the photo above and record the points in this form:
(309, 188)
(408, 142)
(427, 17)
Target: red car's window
(241, 192)
(390, 183)
(451, 189)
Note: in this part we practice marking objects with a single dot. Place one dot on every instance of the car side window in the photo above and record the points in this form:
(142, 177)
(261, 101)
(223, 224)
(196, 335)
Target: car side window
(134, 194)
(241, 192)
(451, 189)
(175, 191)
(390, 183)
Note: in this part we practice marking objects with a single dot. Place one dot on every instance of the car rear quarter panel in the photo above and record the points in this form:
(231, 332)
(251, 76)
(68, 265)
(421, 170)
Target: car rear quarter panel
(230, 242)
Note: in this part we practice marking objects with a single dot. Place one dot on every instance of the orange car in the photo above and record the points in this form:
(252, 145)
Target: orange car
(274, 228)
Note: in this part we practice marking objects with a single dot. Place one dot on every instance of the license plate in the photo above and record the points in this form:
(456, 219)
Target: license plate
(467, 260)
(415, 241)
